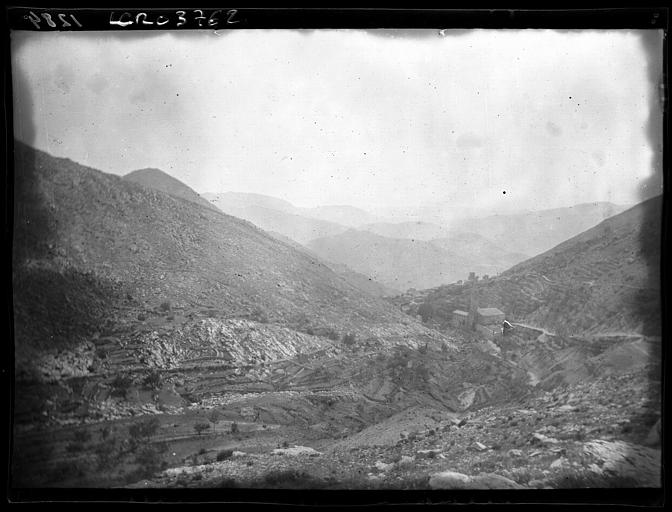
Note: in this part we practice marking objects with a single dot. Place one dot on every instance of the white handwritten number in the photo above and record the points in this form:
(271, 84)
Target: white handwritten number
(231, 13)
(199, 17)
(48, 19)
(33, 18)
(72, 16)
(213, 20)
(62, 18)
(158, 20)
(181, 20)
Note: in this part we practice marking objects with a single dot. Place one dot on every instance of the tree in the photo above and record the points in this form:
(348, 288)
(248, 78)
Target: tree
(201, 427)
(153, 380)
(425, 311)
(214, 417)
(142, 431)
(120, 386)
(349, 339)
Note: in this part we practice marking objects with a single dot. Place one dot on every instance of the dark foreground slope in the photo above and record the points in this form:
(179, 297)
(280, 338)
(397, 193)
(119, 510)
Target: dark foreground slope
(602, 281)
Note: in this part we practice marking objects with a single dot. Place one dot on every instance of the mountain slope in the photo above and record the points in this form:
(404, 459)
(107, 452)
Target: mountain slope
(341, 214)
(297, 227)
(487, 257)
(159, 180)
(604, 280)
(397, 263)
(416, 230)
(535, 232)
(95, 253)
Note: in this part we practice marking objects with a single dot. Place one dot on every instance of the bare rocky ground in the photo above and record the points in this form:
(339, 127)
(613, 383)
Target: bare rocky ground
(461, 415)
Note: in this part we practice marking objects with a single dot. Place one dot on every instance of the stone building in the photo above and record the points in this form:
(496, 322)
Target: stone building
(461, 319)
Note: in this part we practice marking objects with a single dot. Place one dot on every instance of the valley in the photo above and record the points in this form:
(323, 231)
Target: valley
(161, 342)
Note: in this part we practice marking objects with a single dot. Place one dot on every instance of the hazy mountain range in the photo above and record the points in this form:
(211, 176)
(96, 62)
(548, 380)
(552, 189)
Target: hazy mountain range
(440, 253)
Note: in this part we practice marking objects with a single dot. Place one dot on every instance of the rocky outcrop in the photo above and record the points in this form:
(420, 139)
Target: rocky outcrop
(453, 480)
(618, 458)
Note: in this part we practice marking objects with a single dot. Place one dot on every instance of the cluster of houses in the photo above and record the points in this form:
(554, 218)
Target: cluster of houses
(489, 322)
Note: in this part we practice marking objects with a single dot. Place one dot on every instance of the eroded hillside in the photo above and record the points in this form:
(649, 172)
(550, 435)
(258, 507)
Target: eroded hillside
(605, 280)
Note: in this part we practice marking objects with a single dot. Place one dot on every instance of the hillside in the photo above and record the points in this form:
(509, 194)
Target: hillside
(404, 263)
(604, 280)
(341, 214)
(411, 229)
(487, 257)
(299, 228)
(159, 180)
(397, 263)
(258, 206)
(535, 232)
(94, 253)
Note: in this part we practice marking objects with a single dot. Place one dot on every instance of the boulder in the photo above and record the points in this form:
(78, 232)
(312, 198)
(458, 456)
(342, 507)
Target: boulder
(449, 480)
(494, 481)
(538, 438)
(454, 480)
(383, 467)
(557, 463)
(406, 461)
(479, 447)
(296, 450)
(427, 454)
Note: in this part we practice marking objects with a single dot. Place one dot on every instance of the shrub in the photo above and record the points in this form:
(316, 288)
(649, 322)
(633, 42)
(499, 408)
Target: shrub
(214, 417)
(291, 479)
(82, 436)
(165, 306)
(142, 317)
(201, 427)
(224, 455)
(202, 451)
(74, 447)
(349, 339)
(120, 385)
(153, 380)
(228, 483)
(150, 460)
(142, 431)
(106, 454)
(425, 311)
(259, 315)
(234, 428)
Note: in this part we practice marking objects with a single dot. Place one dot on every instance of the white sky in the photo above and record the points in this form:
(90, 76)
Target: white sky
(351, 117)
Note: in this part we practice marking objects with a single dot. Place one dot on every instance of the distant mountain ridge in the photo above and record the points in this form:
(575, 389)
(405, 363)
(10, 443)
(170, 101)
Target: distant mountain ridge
(299, 228)
(346, 215)
(538, 231)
